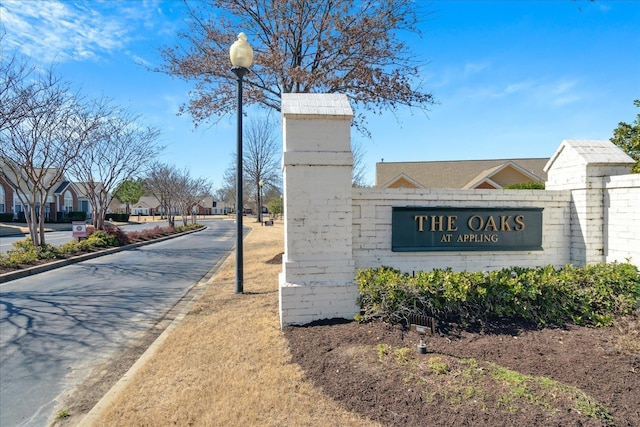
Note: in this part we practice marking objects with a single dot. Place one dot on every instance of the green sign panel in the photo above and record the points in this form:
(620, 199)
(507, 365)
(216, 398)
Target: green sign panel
(465, 229)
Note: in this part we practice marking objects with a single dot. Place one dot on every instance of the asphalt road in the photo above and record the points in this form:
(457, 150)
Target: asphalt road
(56, 325)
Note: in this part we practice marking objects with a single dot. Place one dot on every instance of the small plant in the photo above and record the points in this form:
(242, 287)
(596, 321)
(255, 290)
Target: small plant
(403, 355)
(437, 365)
(63, 414)
(383, 350)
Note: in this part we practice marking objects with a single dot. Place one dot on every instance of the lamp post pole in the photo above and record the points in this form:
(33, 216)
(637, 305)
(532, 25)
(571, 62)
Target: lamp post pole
(260, 184)
(241, 56)
(240, 72)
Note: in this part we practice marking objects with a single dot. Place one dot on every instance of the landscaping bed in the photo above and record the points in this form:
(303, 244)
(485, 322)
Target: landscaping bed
(502, 374)
(24, 255)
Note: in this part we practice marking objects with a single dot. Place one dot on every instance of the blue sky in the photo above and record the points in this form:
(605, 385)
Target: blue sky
(512, 78)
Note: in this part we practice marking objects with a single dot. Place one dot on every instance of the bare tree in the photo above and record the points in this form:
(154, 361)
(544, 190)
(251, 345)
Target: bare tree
(39, 144)
(15, 87)
(190, 191)
(161, 181)
(261, 162)
(227, 191)
(359, 171)
(228, 188)
(119, 148)
(330, 46)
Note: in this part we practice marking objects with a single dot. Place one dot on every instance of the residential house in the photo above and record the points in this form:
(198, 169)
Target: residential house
(209, 206)
(460, 174)
(65, 195)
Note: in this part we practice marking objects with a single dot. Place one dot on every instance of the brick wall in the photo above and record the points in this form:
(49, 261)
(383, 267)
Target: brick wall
(372, 228)
(591, 213)
(622, 218)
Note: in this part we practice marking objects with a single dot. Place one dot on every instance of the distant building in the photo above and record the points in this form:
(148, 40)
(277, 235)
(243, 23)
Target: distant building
(65, 196)
(460, 174)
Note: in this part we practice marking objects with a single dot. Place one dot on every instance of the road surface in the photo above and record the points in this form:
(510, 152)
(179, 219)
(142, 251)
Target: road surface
(56, 325)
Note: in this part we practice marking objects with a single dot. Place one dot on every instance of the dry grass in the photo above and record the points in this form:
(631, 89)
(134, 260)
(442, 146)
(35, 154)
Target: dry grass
(228, 363)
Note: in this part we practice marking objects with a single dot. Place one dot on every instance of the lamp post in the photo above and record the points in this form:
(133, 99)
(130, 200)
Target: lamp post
(241, 55)
(260, 184)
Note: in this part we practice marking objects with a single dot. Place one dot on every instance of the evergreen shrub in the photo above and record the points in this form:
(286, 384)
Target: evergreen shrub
(590, 295)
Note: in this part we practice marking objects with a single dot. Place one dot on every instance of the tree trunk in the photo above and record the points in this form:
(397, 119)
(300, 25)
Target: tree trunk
(41, 224)
(29, 217)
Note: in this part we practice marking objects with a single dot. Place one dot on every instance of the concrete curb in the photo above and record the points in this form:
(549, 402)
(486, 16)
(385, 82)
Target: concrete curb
(18, 274)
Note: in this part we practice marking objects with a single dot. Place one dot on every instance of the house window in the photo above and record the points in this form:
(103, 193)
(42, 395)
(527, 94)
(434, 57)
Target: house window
(2, 199)
(68, 202)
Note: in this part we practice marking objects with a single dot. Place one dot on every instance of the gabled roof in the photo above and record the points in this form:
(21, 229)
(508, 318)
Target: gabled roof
(486, 175)
(84, 188)
(402, 181)
(147, 201)
(592, 152)
(62, 187)
(459, 174)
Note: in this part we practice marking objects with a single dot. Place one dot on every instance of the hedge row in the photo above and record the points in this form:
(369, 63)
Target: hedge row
(117, 217)
(589, 295)
(24, 253)
(65, 217)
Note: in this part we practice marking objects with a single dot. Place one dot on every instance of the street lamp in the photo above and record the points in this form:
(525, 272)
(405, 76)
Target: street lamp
(260, 184)
(241, 56)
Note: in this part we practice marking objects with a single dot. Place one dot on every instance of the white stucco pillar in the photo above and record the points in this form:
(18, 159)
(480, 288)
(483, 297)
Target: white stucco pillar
(317, 278)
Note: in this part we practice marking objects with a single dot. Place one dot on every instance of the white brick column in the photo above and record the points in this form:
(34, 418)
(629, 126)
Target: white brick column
(317, 278)
(581, 166)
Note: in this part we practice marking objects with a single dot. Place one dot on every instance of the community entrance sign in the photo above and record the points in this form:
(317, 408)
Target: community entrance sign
(465, 229)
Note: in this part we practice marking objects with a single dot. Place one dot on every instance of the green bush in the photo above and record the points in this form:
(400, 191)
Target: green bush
(76, 216)
(531, 185)
(6, 217)
(117, 217)
(589, 295)
(23, 253)
(100, 239)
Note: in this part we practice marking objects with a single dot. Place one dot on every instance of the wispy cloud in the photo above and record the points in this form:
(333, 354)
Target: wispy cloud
(555, 93)
(472, 68)
(453, 75)
(54, 30)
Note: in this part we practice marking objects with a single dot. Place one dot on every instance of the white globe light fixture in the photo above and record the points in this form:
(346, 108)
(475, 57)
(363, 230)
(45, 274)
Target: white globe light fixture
(241, 55)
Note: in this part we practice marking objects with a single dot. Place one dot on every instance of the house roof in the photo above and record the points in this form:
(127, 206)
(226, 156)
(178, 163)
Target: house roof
(458, 173)
(86, 188)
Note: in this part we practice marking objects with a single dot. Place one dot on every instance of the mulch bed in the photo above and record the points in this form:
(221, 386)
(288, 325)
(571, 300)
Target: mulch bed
(340, 358)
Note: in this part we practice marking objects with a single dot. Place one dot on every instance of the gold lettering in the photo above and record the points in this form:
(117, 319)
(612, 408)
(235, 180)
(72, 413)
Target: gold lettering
(420, 219)
(494, 238)
(446, 238)
(436, 222)
(504, 223)
(479, 220)
(451, 223)
(491, 223)
(459, 240)
(519, 223)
